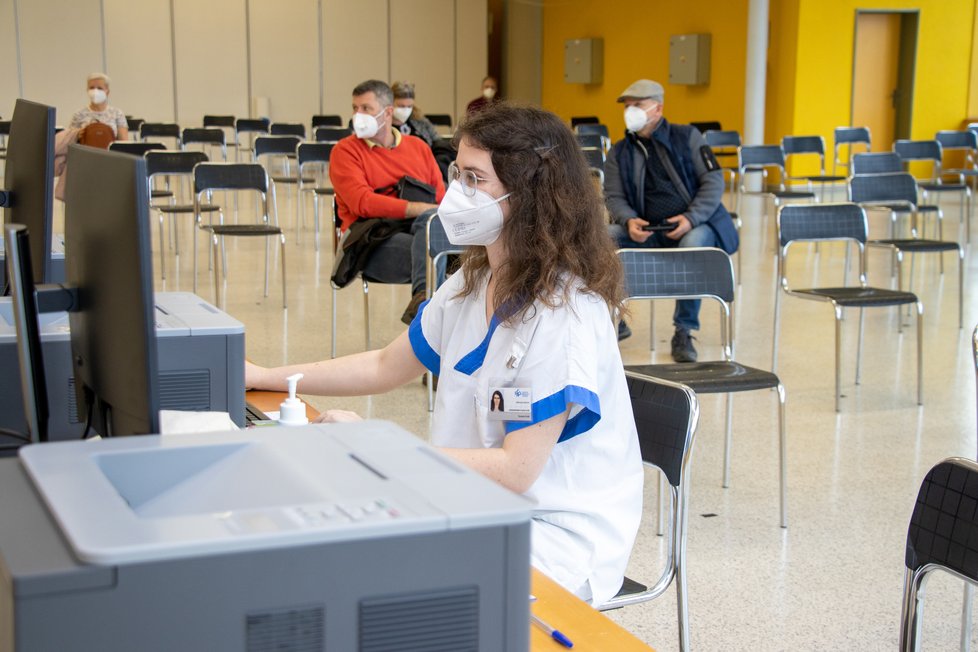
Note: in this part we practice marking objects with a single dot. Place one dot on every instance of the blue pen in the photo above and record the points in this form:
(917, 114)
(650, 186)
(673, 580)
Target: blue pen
(554, 634)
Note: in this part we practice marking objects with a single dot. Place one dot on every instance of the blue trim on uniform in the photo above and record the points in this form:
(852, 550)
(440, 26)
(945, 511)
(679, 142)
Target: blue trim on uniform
(557, 403)
(473, 360)
(422, 350)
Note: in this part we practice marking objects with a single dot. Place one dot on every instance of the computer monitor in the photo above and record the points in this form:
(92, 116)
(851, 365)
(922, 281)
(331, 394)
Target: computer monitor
(29, 178)
(109, 264)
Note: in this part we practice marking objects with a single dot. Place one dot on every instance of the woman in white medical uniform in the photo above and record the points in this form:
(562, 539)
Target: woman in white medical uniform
(529, 320)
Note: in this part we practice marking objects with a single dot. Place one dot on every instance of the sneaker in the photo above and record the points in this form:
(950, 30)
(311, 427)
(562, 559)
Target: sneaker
(682, 346)
(624, 332)
(412, 308)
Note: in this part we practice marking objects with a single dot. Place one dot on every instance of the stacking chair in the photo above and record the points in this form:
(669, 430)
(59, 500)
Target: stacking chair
(590, 141)
(288, 129)
(135, 148)
(846, 223)
(702, 273)
(282, 147)
(331, 134)
(134, 124)
(595, 128)
(326, 121)
(724, 145)
(438, 249)
(312, 154)
(442, 121)
(848, 137)
(209, 177)
(157, 130)
(595, 161)
(707, 125)
(758, 159)
(250, 128)
(897, 193)
(875, 163)
(209, 138)
(226, 124)
(967, 142)
(943, 528)
(931, 151)
(584, 120)
(810, 145)
(666, 415)
(174, 164)
(4, 133)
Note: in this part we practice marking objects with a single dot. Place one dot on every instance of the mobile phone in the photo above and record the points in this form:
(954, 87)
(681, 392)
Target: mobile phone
(665, 226)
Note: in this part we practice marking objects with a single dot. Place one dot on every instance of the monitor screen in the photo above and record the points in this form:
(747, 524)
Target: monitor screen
(29, 176)
(108, 262)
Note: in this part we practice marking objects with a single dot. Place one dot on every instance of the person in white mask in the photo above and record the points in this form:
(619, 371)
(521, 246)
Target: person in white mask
(663, 188)
(365, 169)
(528, 318)
(98, 109)
(408, 118)
(490, 94)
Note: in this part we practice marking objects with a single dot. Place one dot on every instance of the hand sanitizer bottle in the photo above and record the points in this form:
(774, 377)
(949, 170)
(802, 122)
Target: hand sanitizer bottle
(292, 411)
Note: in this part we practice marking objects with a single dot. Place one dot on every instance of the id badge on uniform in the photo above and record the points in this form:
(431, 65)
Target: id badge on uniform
(509, 401)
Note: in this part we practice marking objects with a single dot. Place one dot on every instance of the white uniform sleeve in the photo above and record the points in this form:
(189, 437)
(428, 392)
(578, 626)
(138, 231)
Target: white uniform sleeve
(426, 330)
(562, 363)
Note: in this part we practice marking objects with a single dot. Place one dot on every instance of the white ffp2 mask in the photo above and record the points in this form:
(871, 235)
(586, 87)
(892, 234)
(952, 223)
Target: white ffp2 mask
(402, 113)
(635, 118)
(365, 125)
(476, 220)
(97, 95)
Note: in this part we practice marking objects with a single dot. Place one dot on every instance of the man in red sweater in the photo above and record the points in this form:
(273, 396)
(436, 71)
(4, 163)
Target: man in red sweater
(375, 157)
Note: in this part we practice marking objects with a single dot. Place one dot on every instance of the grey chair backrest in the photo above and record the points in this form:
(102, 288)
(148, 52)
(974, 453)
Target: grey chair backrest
(134, 124)
(821, 222)
(876, 163)
(288, 129)
(803, 145)
(918, 150)
(439, 119)
(219, 121)
(326, 121)
(850, 135)
(134, 147)
(759, 156)
(331, 134)
(589, 141)
(166, 162)
(706, 125)
(592, 128)
(966, 139)
(230, 176)
(892, 187)
(664, 273)
(314, 152)
(206, 135)
(159, 130)
(594, 158)
(666, 415)
(251, 125)
(717, 139)
(276, 145)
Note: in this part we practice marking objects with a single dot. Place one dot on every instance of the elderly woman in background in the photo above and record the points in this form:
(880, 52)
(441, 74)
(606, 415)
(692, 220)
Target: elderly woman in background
(98, 109)
(408, 118)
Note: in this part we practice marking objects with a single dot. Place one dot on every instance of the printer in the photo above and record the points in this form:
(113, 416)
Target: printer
(336, 537)
(57, 260)
(201, 364)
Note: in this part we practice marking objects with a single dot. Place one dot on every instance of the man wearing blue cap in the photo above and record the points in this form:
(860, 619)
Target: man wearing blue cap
(663, 175)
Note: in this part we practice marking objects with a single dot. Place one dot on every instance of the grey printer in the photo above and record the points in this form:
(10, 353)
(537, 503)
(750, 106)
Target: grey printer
(57, 260)
(201, 362)
(339, 537)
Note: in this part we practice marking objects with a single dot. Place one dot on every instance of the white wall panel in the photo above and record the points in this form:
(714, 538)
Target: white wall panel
(285, 57)
(211, 59)
(472, 63)
(355, 48)
(139, 57)
(9, 75)
(423, 50)
(60, 45)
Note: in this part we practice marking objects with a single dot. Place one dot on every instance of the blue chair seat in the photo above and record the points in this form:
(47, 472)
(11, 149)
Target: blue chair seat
(714, 377)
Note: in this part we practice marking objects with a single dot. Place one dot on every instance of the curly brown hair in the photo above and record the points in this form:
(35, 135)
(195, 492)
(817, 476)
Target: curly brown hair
(556, 223)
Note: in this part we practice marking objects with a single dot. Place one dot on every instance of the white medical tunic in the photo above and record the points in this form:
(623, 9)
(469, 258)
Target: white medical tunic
(589, 495)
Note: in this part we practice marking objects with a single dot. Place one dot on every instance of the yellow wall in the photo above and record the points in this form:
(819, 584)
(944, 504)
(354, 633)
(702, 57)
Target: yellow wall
(636, 45)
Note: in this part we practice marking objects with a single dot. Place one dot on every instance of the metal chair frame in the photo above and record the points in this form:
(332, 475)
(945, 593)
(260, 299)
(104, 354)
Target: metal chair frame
(931, 150)
(251, 128)
(326, 121)
(207, 137)
(282, 147)
(807, 146)
(437, 248)
(312, 154)
(848, 136)
(842, 222)
(331, 135)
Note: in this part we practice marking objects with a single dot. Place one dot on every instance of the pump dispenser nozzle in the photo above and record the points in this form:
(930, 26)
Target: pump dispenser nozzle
(292, 411)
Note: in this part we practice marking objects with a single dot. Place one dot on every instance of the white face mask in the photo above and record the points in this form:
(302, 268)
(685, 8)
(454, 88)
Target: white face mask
(97, 95)
(635, 118)
(366, 125)
(476, 220)
(489, 93)
(402, 113)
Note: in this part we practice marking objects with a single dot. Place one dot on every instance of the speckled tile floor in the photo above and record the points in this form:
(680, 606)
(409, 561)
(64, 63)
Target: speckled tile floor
(833, 579)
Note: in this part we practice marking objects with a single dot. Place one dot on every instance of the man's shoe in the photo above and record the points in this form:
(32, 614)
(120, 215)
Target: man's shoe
(412, 308)
(624, 332)
(682, 346)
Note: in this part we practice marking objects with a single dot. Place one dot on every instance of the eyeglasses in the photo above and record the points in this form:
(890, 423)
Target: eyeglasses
(469, 179)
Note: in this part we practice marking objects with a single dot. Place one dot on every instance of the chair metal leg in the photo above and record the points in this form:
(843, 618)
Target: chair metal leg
(266, 266)
(859, 346)
(162, 250)
(315, 217)
(680, 523)
(920, 353)
(966, 603)
(196, 230)
(960, 288)
(913, 596)
(284, 293)
(217, 276)
(728, 441)
(783, 456)
(366, 313)
(777, 326)
(661, 491)
(838, 356)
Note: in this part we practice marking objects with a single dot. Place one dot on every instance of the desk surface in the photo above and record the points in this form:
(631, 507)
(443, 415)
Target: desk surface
(588, 628)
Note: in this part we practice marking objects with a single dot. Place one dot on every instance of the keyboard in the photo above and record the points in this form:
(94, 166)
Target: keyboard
(253, 414)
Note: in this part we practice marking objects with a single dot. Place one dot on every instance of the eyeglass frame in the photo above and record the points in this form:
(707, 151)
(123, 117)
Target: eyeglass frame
(456, 174)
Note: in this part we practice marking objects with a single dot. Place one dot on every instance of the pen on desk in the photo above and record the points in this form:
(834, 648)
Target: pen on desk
(554, 634)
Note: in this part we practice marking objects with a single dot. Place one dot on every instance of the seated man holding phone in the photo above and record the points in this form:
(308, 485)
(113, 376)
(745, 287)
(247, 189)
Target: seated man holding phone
(378, 172)
(663, 188)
